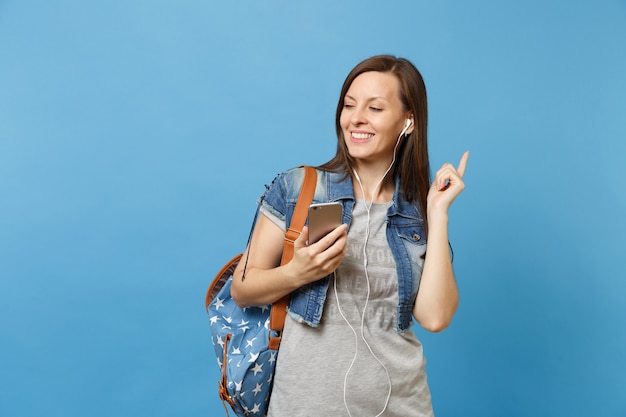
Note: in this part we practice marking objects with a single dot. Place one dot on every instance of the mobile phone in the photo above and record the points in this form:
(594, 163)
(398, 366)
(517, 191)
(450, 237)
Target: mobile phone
(323, 218)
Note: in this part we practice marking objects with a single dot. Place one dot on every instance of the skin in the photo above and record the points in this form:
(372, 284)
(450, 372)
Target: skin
(372, 119)
(372, 108)
(438, 296)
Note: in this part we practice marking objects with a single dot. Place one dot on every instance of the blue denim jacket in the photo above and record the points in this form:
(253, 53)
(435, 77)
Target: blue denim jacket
(405, 234)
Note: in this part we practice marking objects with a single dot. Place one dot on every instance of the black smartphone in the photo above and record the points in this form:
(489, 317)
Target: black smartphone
(323, 218)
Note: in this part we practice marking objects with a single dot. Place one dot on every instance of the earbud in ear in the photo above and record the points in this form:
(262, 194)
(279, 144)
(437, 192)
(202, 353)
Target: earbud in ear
(406, 127)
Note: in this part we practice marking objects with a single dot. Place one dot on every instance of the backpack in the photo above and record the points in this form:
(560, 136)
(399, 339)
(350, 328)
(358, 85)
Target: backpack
(246, 340)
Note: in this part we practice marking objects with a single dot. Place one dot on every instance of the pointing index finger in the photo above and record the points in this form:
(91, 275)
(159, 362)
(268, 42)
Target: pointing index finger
(463, 164)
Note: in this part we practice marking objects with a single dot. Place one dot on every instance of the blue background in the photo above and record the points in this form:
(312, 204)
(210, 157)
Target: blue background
(135, 137)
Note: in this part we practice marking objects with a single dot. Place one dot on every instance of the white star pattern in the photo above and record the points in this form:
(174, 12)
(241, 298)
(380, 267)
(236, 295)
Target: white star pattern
(257, 368)
(219, 302)
(249, 364)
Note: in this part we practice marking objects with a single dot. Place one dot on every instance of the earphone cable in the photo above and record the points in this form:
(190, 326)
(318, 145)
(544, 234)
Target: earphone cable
(367, 233)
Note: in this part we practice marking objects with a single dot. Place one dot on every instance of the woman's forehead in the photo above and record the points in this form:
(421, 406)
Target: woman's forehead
(374, 84)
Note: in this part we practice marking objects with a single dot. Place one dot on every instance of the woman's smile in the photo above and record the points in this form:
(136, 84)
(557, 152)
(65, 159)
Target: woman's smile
(360, 137)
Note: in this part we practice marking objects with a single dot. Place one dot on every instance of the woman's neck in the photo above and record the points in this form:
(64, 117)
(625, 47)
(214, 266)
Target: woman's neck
(370, 185)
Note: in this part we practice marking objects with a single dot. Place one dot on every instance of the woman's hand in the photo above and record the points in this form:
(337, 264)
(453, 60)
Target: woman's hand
(446, 186)
(265, 282)
(321, 258)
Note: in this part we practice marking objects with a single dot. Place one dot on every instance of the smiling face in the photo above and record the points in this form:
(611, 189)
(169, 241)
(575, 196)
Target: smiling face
(373, 117)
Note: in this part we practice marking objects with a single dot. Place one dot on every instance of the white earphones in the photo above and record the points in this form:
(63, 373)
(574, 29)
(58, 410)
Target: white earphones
(406, 127)
(368, 206)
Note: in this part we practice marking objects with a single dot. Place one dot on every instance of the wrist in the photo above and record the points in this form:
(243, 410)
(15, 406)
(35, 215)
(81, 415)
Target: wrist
(292, 277)
(437, 217)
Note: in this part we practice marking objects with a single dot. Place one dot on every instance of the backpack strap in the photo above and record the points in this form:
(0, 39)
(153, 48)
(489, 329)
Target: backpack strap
(279, 308)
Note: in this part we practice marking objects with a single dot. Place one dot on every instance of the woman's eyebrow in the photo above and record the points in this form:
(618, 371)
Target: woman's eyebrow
(369, 99)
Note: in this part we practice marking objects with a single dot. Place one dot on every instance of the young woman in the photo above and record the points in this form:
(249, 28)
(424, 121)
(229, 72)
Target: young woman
(347, 347)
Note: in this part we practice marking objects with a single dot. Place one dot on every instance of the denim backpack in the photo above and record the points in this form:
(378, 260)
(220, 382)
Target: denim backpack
(246, 340)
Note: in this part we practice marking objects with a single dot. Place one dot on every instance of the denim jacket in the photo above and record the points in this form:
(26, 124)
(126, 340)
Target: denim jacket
(405, 234)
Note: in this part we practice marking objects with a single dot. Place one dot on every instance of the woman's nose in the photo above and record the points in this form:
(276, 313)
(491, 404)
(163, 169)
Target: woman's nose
(358, 117)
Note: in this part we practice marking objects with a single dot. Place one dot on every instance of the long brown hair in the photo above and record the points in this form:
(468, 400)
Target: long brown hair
(412, 165)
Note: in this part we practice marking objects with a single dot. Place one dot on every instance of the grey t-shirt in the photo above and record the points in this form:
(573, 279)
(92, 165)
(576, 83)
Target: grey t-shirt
(337, 366)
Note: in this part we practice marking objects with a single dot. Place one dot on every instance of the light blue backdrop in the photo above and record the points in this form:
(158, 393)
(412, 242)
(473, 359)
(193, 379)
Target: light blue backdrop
(136, 135)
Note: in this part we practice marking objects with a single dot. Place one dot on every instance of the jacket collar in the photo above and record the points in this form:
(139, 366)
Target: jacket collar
(340, 187)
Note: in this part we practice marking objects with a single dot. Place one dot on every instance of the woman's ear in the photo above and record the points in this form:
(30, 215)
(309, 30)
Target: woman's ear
(410, 125)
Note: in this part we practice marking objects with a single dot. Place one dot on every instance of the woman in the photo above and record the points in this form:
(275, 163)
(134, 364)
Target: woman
(347, 347)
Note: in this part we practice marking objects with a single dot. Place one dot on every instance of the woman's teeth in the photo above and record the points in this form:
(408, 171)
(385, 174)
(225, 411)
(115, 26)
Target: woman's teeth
(362, 135)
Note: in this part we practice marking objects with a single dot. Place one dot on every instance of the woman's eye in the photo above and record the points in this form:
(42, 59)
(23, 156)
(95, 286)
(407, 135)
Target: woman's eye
(372, 108)
(348, 106)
